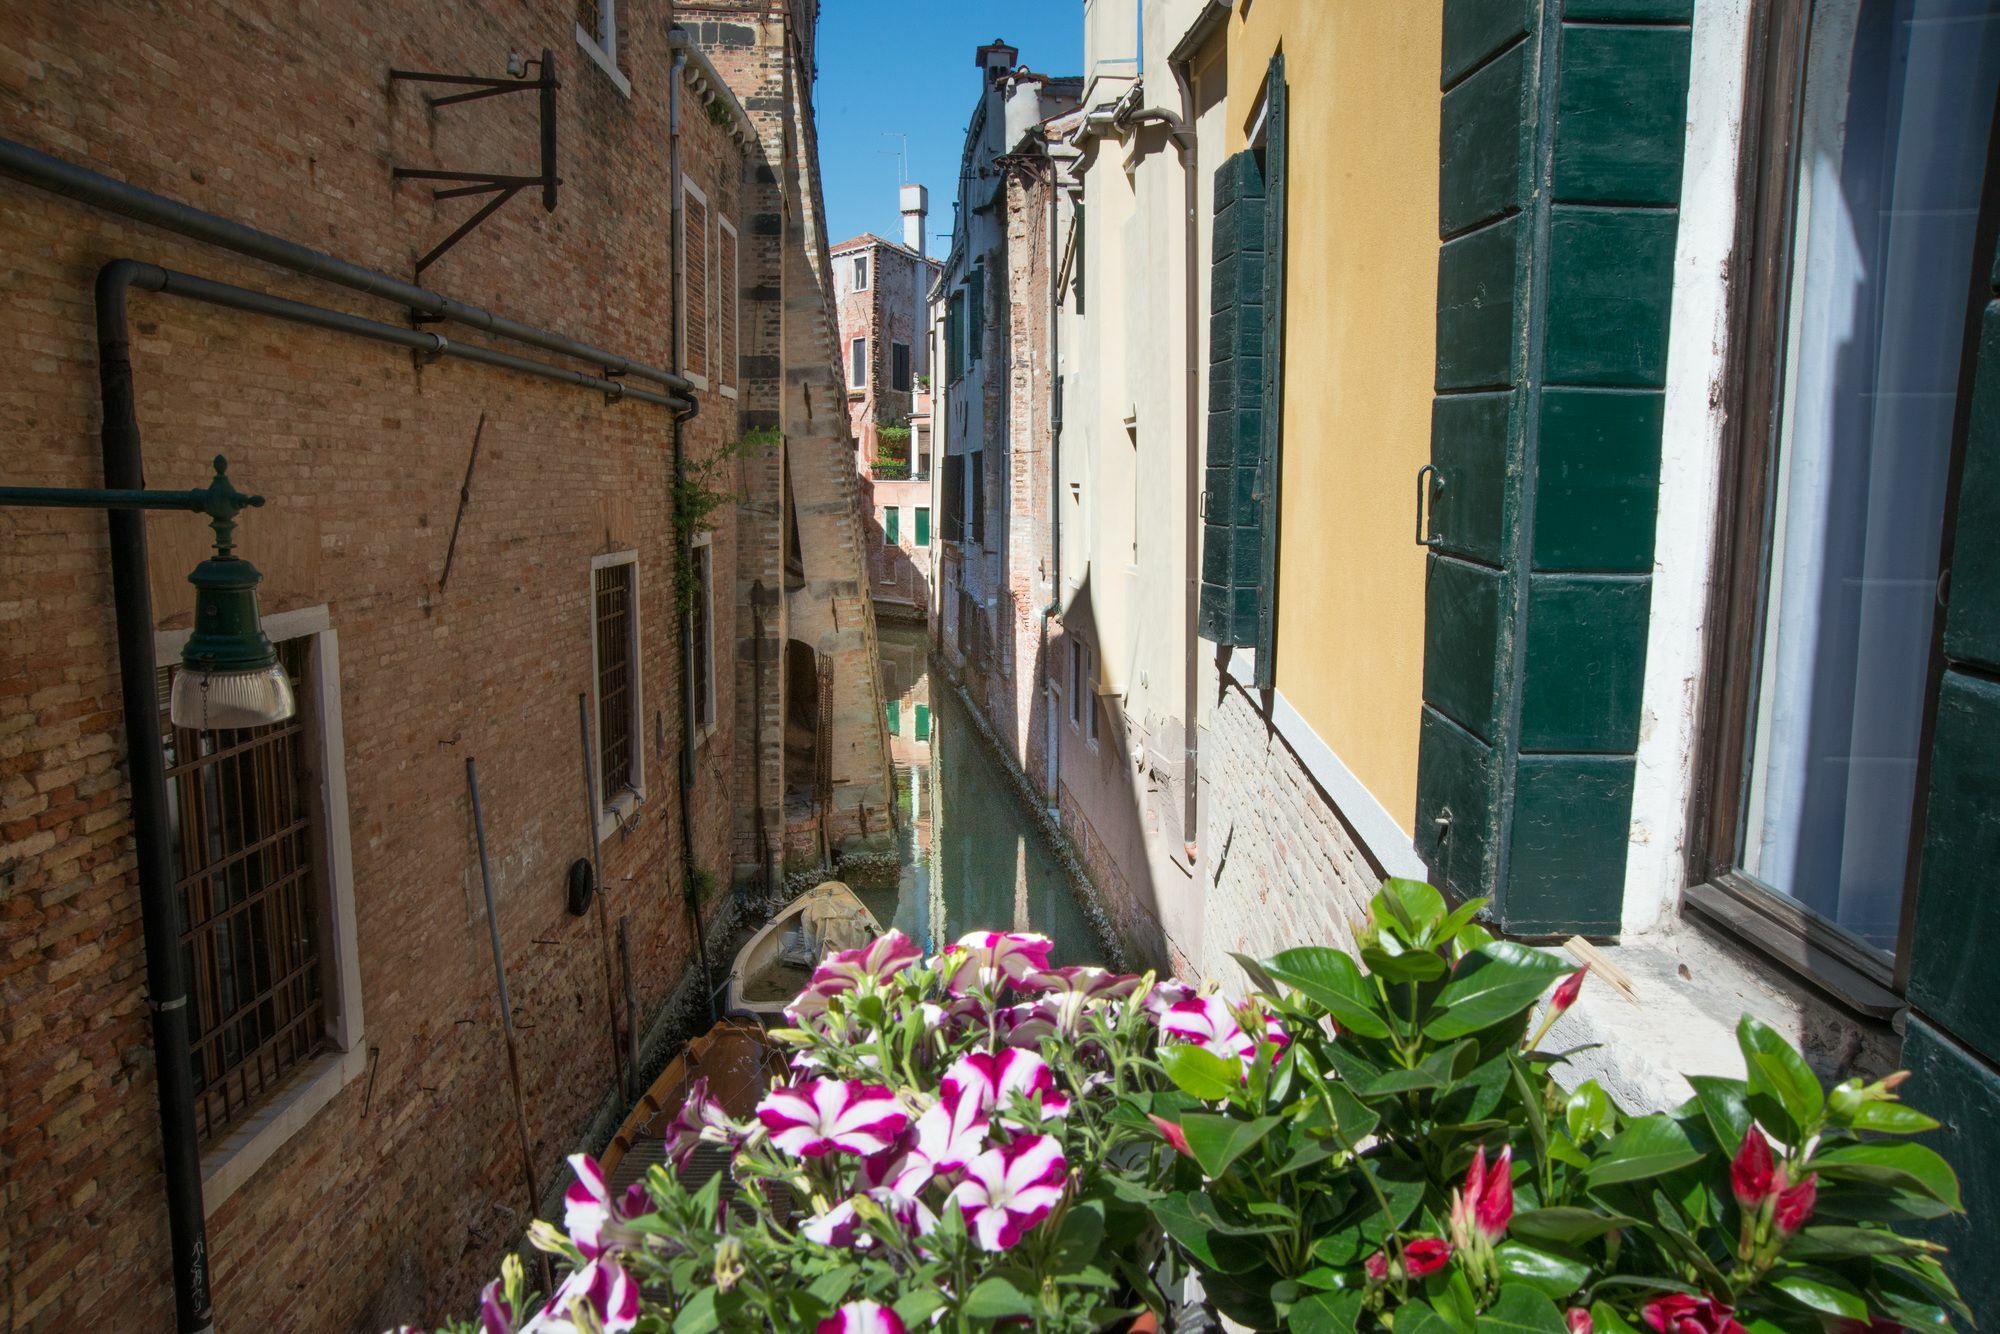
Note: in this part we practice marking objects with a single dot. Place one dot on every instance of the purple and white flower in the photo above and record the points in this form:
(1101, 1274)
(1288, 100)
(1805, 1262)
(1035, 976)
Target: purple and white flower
(590, 1215)
(996, 1078)
(603, 1290)
(813, 1119)
(496, 1313)
(1167, 993)
(988, 960)
(1009, 1189)
(699, 1121)
(842, 1225)
(853, 970)
(862, 1318)
(1209, 1023)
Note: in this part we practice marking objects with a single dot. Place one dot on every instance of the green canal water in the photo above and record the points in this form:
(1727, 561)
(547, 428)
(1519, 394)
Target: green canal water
(973, 857)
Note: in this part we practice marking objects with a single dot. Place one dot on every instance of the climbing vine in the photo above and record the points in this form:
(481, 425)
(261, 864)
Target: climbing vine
(700, 491)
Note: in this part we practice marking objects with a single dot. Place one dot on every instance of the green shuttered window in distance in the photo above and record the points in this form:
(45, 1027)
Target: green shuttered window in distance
(892, 524)
(923, 526)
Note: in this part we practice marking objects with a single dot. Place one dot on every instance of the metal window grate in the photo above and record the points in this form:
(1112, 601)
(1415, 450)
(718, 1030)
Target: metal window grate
(590, 17)
(251, 894)
(614, 679)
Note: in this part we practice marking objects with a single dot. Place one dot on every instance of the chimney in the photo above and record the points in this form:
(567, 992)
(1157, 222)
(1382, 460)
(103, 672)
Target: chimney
(996, 58)
(916, 207)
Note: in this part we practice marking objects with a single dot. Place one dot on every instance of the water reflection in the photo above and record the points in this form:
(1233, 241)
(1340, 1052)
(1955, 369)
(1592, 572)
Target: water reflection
(972, 859)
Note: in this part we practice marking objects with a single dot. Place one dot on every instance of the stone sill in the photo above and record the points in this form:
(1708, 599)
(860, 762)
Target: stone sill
(1692, 988)
(232, 1162)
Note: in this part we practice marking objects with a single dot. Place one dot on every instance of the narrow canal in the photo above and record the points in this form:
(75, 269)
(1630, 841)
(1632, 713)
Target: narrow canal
(973, 858)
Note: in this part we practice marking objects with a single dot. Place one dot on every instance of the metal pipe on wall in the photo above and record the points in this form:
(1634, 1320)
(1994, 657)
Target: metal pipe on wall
(116, 196)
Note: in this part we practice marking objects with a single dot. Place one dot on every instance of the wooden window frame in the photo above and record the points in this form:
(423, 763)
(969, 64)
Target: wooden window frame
(614, 808)
(698, 380)
(1761, 271)
(729, 314)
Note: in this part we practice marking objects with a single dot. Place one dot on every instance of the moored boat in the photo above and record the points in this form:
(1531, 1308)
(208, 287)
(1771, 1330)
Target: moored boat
(738, 1062)
(776, 963)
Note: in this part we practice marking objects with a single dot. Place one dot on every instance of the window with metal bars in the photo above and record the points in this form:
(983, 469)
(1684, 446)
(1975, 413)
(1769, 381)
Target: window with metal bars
(252, 892)
(614, 612)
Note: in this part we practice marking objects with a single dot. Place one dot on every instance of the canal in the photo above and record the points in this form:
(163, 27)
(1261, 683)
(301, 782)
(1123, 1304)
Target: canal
(973, 858)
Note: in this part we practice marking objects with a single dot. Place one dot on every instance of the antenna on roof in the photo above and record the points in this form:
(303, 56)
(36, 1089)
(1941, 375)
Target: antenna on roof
(902, 154)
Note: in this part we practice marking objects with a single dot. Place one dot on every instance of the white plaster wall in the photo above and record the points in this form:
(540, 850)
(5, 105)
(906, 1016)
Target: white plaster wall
(1690, 470)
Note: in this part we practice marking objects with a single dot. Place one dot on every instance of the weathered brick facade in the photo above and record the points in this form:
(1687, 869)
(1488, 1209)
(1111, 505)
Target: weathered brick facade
(394, 1199)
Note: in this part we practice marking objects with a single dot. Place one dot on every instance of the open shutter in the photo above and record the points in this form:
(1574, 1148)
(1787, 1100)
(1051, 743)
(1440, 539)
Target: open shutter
(976, 333)
(1276, 133)
(892, 525)
(923, 527)
(1232, 549)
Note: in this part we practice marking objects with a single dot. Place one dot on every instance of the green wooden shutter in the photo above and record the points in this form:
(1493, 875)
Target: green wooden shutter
(923, 526)
(1561, 146)
(1232, 549)
(1277, 133)
(954, 350)
(892, 522)
(975, 343)
(893, 711)
(923, 722)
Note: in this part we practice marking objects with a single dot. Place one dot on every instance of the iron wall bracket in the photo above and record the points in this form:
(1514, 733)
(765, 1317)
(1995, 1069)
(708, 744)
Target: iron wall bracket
(503, 186)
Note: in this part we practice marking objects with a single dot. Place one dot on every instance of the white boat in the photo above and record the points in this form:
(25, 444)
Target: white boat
(778, 961)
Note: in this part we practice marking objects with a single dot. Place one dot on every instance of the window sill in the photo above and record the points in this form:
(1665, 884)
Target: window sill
(228, 1165)
(620, 812)
(1692, 990)
(1813, 962)
(603, 60)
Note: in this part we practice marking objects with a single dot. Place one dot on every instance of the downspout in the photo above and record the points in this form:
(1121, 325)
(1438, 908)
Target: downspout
(677, 40)
(1180, 128)
(166, 985)
(1054, 606)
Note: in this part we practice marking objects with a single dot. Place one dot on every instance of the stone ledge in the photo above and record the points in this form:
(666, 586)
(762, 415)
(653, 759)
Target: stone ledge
(1693, 987)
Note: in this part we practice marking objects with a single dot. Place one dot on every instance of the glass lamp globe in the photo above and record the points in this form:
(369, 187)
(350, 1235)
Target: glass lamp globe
(230, 675)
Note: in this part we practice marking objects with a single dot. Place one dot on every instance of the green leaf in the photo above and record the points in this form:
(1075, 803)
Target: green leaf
(1554, 1276)
(1648, 1146)
(1589, 1112)
(1835, 1242)
(831, 1286)
(1081, 1236)
(996, 1298)
(1218, 1141)
(1891, 1118)
(1496, 982)
(1520, 1309)
(1604, 1319)
(698, 1316)
(914, 1307)
(1404, 966)
(1566, 1225)
(1334, 980)
(1419, 1318)
(1435, 1071)
(1819, 1290)
(1200, 1072)
(1254, 970)
(1725, 1106)
(1779, 1073)
(1326, 1313)
(1903, 1166)
(1414, 905)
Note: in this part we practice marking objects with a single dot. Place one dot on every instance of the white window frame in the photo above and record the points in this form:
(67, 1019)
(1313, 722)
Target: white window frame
(725, 371)
(614, 813)
(860, 272)
(602, 46)
(706, 712)
(688, 187)
(857, 345)
(232, 1160)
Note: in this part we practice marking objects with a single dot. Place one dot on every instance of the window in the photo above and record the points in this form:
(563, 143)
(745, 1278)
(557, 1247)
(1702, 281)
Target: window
(261, 868)
(922, 432)
(893, 712)
(861, 273)
(857, 363)
(953, 496)
(695, 280)
(597, 34)
(899, 367)
(701, 631)
(1083, 688)
(968, 624)
(1850, 338)
(728, 280)
(975, 505)
(923, 527)
(614, 643)
(923, 722)
(892, 525)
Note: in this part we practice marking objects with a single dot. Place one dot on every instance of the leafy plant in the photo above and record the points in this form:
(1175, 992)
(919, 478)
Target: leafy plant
(698, 493)
(1398, 1151)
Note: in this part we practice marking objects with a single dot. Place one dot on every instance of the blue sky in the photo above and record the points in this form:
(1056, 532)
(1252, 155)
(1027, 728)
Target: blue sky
(905, 67)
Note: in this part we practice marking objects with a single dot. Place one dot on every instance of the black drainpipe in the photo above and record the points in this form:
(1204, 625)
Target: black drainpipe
(166, 987)
(683, 541)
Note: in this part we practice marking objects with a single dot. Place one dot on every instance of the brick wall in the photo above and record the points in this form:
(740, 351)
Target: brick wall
(399, 1197)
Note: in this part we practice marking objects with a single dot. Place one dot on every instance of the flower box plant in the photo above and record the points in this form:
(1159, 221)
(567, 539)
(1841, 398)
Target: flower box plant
(1401, 1153)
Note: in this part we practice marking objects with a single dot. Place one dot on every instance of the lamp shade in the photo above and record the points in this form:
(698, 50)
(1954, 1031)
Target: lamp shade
(230, 675)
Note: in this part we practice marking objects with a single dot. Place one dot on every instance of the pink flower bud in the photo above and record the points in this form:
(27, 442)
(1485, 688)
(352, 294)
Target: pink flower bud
(1567, 992)
(1753, 1176)
(1174, 1135)
(1578, 1319)
(1493, 1203)
(1795, 1205)
(1426, 1255)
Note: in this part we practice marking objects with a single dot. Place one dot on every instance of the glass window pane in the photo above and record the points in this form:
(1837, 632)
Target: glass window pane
(1892, 158)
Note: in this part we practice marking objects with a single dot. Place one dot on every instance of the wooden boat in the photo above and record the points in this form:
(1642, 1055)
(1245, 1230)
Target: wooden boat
(777, 962)
(738, 1061)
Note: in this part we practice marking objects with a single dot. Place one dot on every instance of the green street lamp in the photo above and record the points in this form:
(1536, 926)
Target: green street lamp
(230, 675)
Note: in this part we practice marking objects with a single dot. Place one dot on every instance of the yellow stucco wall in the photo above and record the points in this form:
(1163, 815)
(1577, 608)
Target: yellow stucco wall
(1361, 301)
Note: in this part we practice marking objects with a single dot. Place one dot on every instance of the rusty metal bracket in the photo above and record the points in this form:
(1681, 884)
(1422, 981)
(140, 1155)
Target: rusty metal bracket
(503, 186)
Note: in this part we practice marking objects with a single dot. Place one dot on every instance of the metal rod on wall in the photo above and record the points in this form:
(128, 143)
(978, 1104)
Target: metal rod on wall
(506, 1010)
(618, 1070)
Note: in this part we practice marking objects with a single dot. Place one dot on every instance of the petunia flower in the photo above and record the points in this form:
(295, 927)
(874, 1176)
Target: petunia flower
(1209, 1023)
(853, 970)
(841, 1224)
(952, 1131)
(1165, 994)
(813, 1119)
(862, 1318)
(996, 1078)
(700, 1120)
(1795, 1205)
(601, 1292)
(1753, 1174)
(988, 960)
(1680, 1313)
(496, 1313)
(1008, 1190)
(590, 1215)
